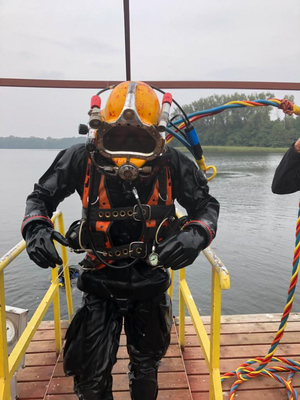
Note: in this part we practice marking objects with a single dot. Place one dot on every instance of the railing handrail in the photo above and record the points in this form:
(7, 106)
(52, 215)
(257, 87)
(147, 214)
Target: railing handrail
(219, 267)
(12, 254)
(9, 364)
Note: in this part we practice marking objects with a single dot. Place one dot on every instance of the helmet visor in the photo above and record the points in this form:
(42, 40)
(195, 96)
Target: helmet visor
(128, 139)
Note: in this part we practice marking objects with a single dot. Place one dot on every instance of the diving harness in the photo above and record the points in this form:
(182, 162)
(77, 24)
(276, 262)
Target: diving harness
(154, 219)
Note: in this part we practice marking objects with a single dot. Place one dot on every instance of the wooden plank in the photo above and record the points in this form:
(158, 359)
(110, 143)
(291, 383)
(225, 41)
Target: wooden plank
(171, 380)
(167, 365)
(62, 397)
(173, 351)
(242, 318)
(247, 351)
(250, 338)
(179, 394)
(42, 346)
(266, 394)
(201, 383)
(32, 390)
(121, 367)
(261, 382)
(33, 374)
(198, 367)
(50, 324)
(36, 359)
(64, 325)
(123, 339)
(248, 328)
(61, 385)
(48, 334)
(167, 380)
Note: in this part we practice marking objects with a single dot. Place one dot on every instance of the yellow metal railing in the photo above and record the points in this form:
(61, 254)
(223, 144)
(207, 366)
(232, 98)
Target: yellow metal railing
(220, 280)
(9, 364)
(210, 347)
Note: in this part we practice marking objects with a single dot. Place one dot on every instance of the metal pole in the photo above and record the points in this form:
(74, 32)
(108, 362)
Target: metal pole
(127, 38)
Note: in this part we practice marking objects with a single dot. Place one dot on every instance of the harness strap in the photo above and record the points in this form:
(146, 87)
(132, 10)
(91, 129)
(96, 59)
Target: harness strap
(131, 250)
(125, 213)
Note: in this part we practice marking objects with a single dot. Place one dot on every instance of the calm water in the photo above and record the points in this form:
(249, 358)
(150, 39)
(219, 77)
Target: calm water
(255, 239)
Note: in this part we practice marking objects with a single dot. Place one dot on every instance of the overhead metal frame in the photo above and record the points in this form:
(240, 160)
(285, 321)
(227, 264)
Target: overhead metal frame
(82, 84)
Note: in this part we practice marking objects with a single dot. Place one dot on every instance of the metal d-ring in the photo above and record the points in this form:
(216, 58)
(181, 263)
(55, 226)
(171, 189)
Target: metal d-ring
(162, 198)
(88, 199)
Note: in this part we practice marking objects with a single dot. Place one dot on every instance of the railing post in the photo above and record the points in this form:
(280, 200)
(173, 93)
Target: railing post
(56, 309)
(181, 311)
(64, 256)
(171, 288)
(215, 386)
(8, 365)
(4, 370)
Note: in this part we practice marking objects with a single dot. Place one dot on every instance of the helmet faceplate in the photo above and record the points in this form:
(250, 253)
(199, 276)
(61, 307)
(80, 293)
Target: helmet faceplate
(129, 124)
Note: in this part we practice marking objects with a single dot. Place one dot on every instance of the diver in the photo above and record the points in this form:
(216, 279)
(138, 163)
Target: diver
(287, 175)
(128, 180)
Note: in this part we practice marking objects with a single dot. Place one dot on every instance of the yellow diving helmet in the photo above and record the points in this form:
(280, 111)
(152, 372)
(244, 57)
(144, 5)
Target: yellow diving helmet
(129, 127)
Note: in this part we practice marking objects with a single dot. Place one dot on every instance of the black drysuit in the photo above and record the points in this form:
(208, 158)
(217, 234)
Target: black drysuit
(136, 294)
(287, 175)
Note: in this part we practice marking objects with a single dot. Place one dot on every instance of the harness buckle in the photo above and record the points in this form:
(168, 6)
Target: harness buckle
(137, 249)
(137, 214)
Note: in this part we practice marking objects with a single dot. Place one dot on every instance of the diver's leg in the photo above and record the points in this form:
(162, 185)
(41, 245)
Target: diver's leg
(148, 329)
(102, 334)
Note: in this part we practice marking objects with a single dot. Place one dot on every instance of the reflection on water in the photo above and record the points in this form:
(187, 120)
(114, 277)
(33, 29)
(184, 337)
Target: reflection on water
(255, 238)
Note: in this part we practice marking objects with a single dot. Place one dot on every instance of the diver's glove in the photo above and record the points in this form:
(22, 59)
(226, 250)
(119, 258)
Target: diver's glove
(182, 248)
(40, 247)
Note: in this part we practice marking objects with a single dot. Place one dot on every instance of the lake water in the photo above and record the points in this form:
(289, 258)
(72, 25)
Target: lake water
(255, 238)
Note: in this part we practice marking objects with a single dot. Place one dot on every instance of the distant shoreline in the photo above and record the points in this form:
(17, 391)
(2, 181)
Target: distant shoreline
(32, 143)
(206, 149)
(237, 149)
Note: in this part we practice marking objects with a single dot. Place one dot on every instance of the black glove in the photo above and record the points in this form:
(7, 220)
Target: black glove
(40, 246)
(181, 249)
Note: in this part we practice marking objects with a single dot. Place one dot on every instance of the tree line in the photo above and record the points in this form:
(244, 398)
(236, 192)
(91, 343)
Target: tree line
(14, 142)
(245, 126)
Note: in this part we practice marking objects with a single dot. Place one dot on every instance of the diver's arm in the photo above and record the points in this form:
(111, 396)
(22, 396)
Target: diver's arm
(191, 191)
(64, 176)
(287, 175)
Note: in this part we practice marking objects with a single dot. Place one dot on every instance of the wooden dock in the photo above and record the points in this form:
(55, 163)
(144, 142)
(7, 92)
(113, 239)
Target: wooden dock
(182, 376)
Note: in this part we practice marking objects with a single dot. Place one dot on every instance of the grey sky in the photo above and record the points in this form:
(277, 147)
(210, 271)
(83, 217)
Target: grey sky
(255, 40)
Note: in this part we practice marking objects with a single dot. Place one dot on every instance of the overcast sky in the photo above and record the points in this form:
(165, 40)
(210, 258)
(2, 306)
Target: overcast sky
(249, 40)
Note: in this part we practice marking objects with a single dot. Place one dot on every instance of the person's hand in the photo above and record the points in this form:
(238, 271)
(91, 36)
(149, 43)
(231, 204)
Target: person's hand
(40, 247)
(287, 107)
(182, 248)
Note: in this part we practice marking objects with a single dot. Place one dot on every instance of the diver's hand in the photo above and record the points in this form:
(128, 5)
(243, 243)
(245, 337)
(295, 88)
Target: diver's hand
(40, 247)
(287, 107)
(181, 249)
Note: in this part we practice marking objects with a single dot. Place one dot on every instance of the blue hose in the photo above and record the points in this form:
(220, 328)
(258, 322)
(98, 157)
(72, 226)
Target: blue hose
(183, 141)
(222, 108)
